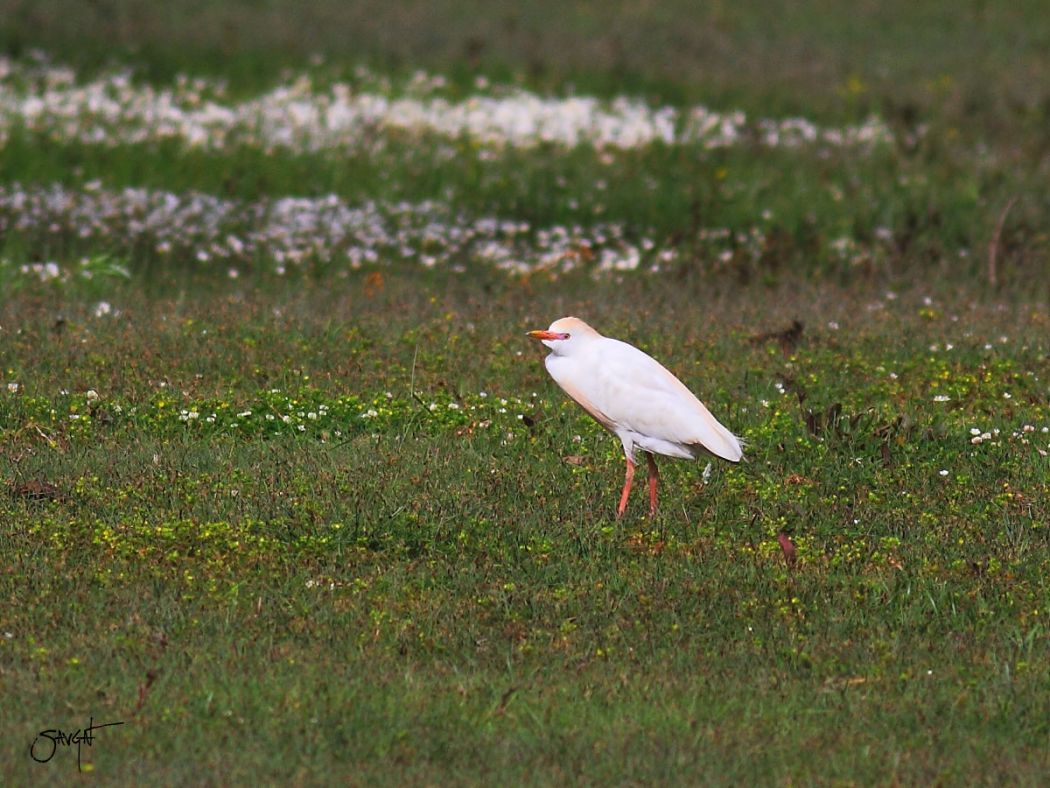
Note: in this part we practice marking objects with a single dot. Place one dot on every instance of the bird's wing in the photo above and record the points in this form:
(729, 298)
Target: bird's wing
(578, 386)
(633, 390)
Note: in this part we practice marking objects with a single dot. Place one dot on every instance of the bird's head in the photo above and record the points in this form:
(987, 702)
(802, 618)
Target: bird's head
(566, 335)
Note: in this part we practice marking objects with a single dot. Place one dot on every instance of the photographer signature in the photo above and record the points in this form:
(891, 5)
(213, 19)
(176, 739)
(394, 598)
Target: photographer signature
(40, 752)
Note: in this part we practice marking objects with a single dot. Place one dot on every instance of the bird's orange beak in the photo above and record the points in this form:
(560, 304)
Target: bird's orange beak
(547, 335)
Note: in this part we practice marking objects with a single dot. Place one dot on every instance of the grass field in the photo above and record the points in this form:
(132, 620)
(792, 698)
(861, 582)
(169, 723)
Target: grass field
(288, 492)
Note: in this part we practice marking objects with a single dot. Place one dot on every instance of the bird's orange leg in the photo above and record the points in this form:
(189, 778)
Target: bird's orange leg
(626, 489)
(654, 475)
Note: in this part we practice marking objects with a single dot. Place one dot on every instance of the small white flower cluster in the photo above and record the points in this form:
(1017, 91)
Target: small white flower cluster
(979, 436)
(104, 308)
(44, 271)
(1023, 435)
(114, 109)
(294, 231)
(321, 585)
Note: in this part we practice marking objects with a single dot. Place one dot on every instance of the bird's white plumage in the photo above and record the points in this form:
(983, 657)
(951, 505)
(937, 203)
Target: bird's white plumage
(634, 396)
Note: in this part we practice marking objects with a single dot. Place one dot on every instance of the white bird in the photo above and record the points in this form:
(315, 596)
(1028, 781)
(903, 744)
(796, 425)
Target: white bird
(633, 396)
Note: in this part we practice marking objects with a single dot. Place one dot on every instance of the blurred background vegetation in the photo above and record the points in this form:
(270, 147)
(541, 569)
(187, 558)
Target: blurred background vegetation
(981, 66)
(964, 85)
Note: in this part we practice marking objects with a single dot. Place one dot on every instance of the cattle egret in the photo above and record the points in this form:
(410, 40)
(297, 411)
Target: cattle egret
(633, 396)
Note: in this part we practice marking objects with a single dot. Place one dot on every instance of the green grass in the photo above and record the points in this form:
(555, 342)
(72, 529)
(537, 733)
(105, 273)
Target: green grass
(423, 597)
(340, 526)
